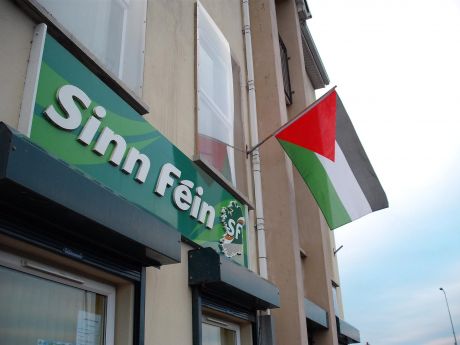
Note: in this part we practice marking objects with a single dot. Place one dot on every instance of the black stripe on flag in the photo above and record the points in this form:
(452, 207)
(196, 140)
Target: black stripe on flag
(360, 165)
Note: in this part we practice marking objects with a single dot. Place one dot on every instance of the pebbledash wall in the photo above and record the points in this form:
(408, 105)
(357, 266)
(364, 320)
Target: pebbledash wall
(127, 209)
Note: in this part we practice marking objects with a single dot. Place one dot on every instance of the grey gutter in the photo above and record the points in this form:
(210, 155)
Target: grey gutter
(316, 314)
(346, 332)
(34, 182)
(226, 280)
(313, 63)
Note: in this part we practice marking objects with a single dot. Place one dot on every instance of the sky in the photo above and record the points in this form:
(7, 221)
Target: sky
(396, 64)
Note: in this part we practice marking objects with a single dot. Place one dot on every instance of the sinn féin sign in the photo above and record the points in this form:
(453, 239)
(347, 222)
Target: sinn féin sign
(81, 121)
(71, 99)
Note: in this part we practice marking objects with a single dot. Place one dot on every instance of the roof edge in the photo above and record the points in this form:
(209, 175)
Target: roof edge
(313, 63)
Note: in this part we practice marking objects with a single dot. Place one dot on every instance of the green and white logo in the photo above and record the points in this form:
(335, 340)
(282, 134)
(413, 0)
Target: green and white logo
(233, 222)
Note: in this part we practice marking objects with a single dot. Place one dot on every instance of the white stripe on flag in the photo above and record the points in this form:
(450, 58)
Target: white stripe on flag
(345, 184)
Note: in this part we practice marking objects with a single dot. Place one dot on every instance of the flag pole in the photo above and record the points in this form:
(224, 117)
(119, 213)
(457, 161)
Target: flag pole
(294, 119)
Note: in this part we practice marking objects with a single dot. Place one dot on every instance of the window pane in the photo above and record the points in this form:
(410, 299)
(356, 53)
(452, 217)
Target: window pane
(215, 84)
(111, 29)
(37, 311)
(213, 335)
(221, 141)
(335, 301)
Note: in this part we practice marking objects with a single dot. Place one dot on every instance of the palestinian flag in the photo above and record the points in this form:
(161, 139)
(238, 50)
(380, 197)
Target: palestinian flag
(324, 147)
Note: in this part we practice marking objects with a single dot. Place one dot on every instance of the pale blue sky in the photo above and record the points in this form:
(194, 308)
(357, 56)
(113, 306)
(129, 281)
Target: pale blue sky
(397, 67)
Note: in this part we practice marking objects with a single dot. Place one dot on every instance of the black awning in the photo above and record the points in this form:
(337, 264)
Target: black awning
(34, 184)
(222, 278)
(315, 314)
(346, 332)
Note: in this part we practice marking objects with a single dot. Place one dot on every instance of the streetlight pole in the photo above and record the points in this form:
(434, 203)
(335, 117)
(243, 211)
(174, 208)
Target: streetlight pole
(450, 316)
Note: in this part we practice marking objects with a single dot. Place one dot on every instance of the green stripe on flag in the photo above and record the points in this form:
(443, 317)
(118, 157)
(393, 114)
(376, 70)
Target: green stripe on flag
(315, 176)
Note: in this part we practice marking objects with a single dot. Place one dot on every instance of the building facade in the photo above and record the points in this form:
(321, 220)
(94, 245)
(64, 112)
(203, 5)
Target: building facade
(301, 248)
(131, 211)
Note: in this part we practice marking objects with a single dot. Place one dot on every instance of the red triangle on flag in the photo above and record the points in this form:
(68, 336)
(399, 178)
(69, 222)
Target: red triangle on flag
(315, 128)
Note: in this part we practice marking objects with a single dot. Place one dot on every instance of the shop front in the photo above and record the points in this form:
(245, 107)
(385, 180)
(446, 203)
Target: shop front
(92, 194)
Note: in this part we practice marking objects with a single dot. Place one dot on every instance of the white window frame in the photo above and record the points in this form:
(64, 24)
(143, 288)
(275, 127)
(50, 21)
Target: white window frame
(123, 4)
(223, 323)
(38, 269)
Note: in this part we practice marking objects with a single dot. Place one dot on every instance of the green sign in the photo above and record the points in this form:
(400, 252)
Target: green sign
(81, 121)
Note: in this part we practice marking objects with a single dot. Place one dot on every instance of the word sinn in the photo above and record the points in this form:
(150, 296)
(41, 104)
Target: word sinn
(69, 97)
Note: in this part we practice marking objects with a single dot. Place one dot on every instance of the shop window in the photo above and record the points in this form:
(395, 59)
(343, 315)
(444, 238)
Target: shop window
(43, 304)
(112, 30)
(221, 140)
(221, 322)
(218, 331)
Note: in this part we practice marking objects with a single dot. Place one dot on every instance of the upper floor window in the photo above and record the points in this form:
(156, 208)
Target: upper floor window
(112, 30)
(285, 69)
(221, 141)
(335, 299)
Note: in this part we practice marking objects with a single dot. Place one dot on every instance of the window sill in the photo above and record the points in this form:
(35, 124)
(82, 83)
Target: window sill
(216, 175)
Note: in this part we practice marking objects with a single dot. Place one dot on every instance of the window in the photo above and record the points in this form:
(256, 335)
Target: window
(285, 69)
(335, 298)
(221, 141)
(217, 331)
(113, 30)
(45, 305)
